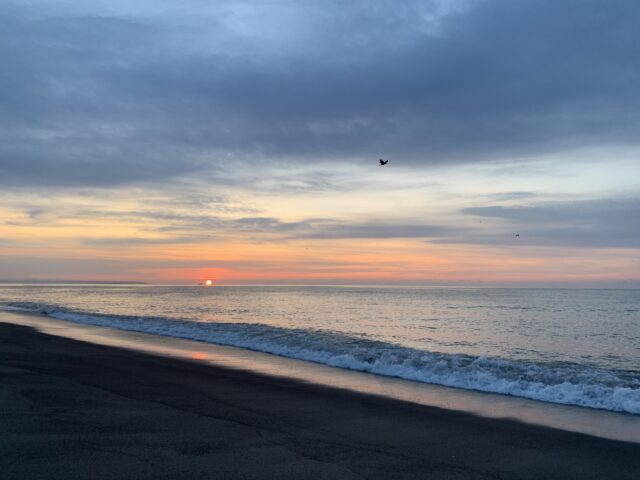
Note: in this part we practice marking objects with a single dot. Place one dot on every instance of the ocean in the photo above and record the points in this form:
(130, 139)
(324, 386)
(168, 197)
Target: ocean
(566, 346)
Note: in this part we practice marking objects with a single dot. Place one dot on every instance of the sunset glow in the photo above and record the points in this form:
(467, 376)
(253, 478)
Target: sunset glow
(101, 183)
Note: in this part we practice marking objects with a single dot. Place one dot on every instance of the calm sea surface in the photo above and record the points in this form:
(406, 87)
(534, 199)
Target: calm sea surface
(579, 347)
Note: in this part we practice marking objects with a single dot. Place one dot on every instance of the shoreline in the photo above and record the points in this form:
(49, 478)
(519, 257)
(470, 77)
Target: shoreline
(602, 423)
(74, 409)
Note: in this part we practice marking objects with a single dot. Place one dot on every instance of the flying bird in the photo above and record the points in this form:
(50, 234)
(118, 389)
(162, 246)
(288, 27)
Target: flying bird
(383, 162)
(517, 235)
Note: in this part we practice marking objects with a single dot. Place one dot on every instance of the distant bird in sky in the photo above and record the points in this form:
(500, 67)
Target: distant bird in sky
(517, 235)
(383, 162)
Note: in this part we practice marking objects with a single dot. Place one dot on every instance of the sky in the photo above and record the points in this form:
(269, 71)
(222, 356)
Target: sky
(174, 141)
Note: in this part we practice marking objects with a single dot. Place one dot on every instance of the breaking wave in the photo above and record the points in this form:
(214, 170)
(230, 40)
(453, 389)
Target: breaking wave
(564, 383)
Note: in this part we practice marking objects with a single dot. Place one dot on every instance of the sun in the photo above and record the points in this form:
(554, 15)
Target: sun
(208, 283)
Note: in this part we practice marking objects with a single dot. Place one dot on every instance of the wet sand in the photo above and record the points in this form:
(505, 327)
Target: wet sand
(70, 409)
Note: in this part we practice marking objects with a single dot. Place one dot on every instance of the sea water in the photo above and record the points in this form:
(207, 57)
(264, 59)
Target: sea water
(568, 346)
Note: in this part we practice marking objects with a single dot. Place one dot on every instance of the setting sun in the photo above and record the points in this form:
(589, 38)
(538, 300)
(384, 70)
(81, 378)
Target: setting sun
(208, 283)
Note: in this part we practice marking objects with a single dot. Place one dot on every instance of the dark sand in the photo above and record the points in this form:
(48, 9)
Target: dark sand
(71, 410)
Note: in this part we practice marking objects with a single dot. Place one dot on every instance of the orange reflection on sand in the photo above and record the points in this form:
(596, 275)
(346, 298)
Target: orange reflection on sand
(199, 356)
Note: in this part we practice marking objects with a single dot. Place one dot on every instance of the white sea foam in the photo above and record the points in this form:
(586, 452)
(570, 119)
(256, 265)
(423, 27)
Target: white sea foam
(564, 383)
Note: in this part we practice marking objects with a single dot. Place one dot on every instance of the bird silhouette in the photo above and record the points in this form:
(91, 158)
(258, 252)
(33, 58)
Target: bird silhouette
(383, 162)
(517, 235)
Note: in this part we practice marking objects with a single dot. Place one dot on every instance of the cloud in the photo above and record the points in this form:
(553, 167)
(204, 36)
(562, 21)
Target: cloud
(129, 94)
(132, 241)
(506, 196)
(198, 201)
(336, 230)
(597, 223)
(182, 222)
(190, 228)
(210, 218)
(311, 228)
(17, 267)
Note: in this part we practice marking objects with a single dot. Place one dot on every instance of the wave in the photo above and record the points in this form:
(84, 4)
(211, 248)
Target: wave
(564, 383)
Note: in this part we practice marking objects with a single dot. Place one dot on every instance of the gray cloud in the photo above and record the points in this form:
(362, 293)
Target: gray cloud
(180, 222)
(103, 99)
(375, 230)
(194, 201)
(194, 227)
(588, 223)
(131, 241)
(594, 223)
(506, 196)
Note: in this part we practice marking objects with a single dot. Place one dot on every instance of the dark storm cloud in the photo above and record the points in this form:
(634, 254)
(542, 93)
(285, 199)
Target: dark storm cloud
(103, 100)
(589, 223)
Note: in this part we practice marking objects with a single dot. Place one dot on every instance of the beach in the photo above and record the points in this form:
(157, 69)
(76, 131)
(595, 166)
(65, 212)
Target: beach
(73, 409)
(255, 240)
